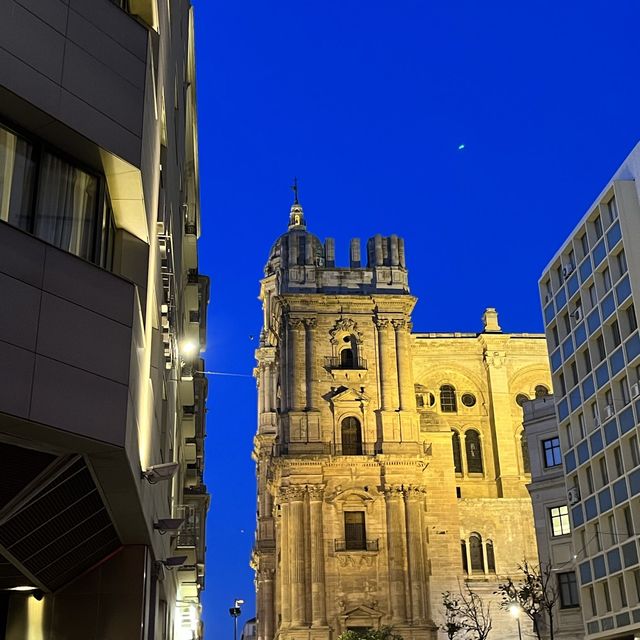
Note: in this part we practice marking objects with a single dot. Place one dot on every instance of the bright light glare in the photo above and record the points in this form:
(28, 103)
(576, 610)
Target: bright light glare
(188, 348)
(514, 609)
(23, 588)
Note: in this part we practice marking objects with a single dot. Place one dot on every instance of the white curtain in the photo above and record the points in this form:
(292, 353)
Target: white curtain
(16, 179)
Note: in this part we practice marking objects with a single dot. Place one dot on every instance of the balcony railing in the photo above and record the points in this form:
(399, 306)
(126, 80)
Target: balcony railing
(326, 449)
(355, 545)
(335, 362)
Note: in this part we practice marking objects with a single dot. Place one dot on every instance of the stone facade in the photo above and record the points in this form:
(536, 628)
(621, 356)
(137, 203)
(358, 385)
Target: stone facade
(383, 456)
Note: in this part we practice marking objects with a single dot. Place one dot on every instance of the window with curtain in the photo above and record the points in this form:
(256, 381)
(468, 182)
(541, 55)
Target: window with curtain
(351, 437)
(457, 451)
(55, 200)
(473, 451)
(448, 402)
(475, 551)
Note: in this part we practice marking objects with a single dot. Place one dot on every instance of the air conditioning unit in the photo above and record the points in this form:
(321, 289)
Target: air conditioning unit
(609, 411)
(573, 495)
(596, 421)
(635, 390)
(567, 269)
(577, 314)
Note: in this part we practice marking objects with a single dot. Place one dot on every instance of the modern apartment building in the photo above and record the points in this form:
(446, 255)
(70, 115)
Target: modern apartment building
(102, 319)
(551, 515)
(590, 292)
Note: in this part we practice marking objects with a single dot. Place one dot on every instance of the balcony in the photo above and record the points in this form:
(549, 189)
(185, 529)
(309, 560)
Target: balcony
(353, 363)
(355, 545)
(295, 449)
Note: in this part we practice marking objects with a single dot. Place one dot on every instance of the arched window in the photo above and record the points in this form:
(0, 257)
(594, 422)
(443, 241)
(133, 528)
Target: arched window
(346, 359)
(475, 551)
(491, 558)
(473, 451)
(541, 391)
(457, 451)
(526, 464)
(463, 550)
(351, 437)
(448, 403)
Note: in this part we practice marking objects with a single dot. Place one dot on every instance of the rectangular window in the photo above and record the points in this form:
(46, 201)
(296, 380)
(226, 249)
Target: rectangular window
(593, 296)
(567, 324)
(554, 334)
(581, 426)
(606, 278)
(589, 477)
(559, 520)
(635, 452)
(617, 456)
(592, 601)
(607, 596)
(568, 588)
(563, 386)
(595, 416)
(597, 537)
(622, 591)
(602, 352)
(552, 453)
(586, 357)
(621, 261)
(612, 209)
(624, 391)
(584, 243)
(354, 530)
(571, 258)
(615, 333)
(604, 474)
(632, 321)
(56, 201)
(597, 227)
(636, 580)
(574, 374)
(569, 435)
(628, 522)
(612, 537)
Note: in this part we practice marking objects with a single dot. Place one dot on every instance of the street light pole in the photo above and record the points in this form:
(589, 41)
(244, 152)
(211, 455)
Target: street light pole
(234, 612)
(514, 610)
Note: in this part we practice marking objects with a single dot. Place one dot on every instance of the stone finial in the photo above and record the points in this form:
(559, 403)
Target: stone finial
(354, 253)
(490, 321)
(330, 252)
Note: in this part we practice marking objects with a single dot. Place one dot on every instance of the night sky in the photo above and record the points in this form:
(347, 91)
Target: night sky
(368, 104)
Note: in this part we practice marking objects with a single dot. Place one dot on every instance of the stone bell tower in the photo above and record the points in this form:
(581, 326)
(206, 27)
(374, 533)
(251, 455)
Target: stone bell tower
(344, 515)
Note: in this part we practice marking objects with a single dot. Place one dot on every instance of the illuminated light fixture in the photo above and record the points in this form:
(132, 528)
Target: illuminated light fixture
(188, 348)
(174, 561)
(168, 524)
(159, 472)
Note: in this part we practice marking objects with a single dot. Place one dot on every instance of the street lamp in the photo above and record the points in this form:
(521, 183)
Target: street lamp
(514, 610)
(234, 612)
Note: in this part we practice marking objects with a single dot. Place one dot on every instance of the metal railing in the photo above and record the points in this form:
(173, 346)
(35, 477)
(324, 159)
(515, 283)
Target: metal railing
(335, 362)
(355, 545)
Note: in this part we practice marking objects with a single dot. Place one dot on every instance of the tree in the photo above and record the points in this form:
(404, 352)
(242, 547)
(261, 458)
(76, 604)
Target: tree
(465, 613)
(383, 633)
(535, 593)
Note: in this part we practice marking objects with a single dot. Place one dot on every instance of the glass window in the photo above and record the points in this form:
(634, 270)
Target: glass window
(592, 601)
(555, 336)
(602, 352)
(559, 521)
(568, 587)
(475, 548)
(617, 457)
(351, 437)
(581, 425)
(597, 227)
(448, 402)
(586, 358)
(632, 321)
(628, 522)
(552, 453)
(604, 473)
(463, 550)
(593, 296)
(569, 434)
(621, 261)
(346, 359)
(468, 399)
(615, 333)
(457, 451)
(354, 530)
(606, 279)
(633, 448)
(597, 537)
(612, 209)
(491, 558)
(589, 477)
(607, 596)
(473, 451)
(622, 591)
(584, 243)
(624, 391)
(574, 373)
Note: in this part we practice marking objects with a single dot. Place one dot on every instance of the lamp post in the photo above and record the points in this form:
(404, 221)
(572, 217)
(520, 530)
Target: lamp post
(514, 610)
(234, 612)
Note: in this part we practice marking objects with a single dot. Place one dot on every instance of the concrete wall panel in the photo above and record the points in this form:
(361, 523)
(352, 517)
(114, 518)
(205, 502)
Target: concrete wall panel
(78, 401)
(84, 339)
(16, 375)
(19, 309)
(53, 12)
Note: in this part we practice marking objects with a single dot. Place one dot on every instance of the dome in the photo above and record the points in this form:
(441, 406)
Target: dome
(295, 241)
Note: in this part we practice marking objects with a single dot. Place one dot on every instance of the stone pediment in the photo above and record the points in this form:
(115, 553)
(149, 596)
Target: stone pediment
(363, 611)
(346, 395)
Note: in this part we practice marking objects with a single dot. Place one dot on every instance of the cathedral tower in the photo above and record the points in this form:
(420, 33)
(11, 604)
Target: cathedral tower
(359, 479)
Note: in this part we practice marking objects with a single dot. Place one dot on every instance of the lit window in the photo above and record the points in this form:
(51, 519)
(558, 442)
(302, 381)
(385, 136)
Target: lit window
(552, 453)
(559, 521)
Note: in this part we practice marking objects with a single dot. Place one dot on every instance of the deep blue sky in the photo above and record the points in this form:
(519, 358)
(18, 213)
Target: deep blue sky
(367, 103)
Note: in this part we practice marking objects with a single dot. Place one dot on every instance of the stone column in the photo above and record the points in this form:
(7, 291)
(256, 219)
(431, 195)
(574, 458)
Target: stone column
(297, 364)
(312, 385)
(388, 368)
(405, 377)
(396, 535)
(414, 497)
(267, 604)
(285, 566)
(260, 384)
(296, 557)
(318, 602)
